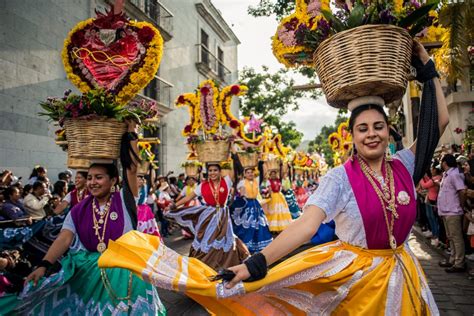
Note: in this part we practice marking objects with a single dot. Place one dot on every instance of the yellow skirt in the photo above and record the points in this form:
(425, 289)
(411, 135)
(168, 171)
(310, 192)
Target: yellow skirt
(277, 212)
(334, 278)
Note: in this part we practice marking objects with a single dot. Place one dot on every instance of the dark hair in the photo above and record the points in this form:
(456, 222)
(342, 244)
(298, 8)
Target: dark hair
(82, 173)
(173, 180)
(36, 171)
(110, 169)
(449, 160)
(62, 176)
(59, 186)
(26, 189)
(212, 164)
(181, 175)
(37, 185)
(8, 192)
(358, 110)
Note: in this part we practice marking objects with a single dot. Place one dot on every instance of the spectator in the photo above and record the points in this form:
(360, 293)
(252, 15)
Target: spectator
(6, 178)
(450, 201)
(12, 208)
(431, 183)
(38, 171)
(60, 189)
(35, 202)
(173, 185)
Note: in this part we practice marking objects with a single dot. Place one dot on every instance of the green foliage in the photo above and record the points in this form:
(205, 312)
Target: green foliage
(320, 142)
(277, 8)
(270, 96)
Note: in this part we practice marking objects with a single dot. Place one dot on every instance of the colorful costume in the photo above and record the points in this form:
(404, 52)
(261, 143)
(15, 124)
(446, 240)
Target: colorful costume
(250, 223)
(214, 240)
(301, 194)
(291, 199)
(80, 287)
(357, 275)
(277, 211)
(75, 197)
(146, 219)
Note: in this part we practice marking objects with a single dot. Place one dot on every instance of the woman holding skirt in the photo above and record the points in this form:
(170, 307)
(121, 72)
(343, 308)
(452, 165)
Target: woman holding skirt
(81, 287)
(214, 241)
(369, 271)
(250, 222)
(277, 210)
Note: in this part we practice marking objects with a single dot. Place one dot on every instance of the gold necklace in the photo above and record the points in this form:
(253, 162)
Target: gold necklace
(115, 298)
(388, 204)
(80, 195)
(101, 246)
(215, 193)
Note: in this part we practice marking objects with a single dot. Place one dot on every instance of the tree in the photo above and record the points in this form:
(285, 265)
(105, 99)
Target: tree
(270, 96)
(320, 142)
(279, 8)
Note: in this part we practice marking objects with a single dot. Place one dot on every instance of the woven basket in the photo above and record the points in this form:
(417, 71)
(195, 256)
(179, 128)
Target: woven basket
(143, 167)
(248, 160)
(272, 164)
(213, 151)
(369, 60)
(227, 172)
(191, 170)
(94, 139)
(76, 163)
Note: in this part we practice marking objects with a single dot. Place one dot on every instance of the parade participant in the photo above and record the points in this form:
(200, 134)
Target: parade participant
(146, 219)
(102, 216)
(290, 198)
(250, 222)
(300, 191)
(277, 211)
(187, 190)
(75, 196)
(214, 241)
(370, 270)
(163, 200)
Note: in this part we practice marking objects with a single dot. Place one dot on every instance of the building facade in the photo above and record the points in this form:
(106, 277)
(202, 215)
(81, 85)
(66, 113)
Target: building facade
(198, 45)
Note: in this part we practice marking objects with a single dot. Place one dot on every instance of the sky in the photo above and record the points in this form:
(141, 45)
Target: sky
(255, 50)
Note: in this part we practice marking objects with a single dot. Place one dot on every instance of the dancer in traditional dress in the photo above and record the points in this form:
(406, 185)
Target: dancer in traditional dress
(80, 287)
(188, 189)
(146, 219)
(300, 191)
(75, 196)
(370, 270)
(277, 210)
(290, 198)
(250, 222)
(214, 241)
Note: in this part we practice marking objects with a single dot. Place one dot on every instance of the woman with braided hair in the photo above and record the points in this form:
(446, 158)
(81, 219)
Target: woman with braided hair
(370, 270)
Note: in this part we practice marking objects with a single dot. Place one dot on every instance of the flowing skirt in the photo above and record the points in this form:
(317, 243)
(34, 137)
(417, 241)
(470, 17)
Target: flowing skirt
(146, 220)
(292, 204)
(277, 212)
(214, 240)
(301, 196)
(334, 278)
(78, 289)
(250, 224)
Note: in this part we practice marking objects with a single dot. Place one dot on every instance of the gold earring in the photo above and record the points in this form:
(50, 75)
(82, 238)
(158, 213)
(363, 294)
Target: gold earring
(388, 155)
(112, 189)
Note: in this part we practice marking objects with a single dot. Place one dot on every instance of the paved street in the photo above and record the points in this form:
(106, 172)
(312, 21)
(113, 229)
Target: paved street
(454, 293)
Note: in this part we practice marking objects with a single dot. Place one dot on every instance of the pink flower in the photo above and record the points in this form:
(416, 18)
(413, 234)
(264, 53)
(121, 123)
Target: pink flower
(286, 36)
(314, 8)
(235, 89)
(205, 90)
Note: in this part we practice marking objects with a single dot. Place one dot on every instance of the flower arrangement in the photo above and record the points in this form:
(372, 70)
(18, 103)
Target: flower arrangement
(226, 165)
(146, 154)
(209, 108)
(94, 103)
(191, 163)
(199, 139)
(113, 53)
(299, 34)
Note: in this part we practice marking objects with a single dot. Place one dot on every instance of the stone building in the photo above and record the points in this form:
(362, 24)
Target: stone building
(199, 44)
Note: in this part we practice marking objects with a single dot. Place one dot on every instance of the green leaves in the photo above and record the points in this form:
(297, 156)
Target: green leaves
(337, 25)
(418, 14)
(356, 18)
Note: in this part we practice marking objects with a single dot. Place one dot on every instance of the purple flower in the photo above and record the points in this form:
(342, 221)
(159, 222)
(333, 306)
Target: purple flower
(386, 17)
(300, 33)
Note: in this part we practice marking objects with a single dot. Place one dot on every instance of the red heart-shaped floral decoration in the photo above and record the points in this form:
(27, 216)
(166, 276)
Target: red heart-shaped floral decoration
(112, 53)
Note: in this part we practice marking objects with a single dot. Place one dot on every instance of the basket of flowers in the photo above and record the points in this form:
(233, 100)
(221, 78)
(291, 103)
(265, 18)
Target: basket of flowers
(215, 149)
(360, 48)
(191, 168)
(146, 155)
(272, 163)
(248, 158)
(91, 118)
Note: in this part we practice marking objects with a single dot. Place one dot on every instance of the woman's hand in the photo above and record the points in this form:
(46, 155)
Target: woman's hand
(241, 274)
(420, 51)
(36, 275)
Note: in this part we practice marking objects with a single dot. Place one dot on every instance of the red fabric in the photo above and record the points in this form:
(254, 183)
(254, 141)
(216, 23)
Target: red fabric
(209, 197)
(275, 185)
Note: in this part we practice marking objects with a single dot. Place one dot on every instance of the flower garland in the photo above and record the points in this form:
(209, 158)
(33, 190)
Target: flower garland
(137, 79)
(208, 97)
(189, 99)
(286, 46)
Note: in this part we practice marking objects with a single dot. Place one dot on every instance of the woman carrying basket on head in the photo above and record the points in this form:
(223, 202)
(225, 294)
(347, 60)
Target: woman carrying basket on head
(81, 287)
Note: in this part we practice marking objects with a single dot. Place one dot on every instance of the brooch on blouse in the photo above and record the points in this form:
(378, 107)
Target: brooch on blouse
(113, 216)
(221, 190)
(403, 198)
